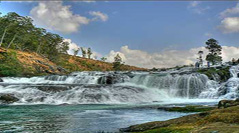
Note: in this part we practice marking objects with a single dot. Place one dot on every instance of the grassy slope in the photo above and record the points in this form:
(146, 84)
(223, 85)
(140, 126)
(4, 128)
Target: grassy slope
(219, 120)
(18, 63)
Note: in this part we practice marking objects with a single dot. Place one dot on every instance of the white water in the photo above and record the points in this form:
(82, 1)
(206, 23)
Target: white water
(119, 88)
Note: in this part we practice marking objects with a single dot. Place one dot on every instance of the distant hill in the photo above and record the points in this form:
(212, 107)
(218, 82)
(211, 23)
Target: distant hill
(18, 63)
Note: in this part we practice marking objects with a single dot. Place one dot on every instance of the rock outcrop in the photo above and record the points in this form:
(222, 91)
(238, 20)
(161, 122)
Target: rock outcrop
(8, 98)
(228, 103)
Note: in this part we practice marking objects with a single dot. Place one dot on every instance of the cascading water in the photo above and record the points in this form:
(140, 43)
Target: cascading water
(227, 90)
(186, 86)
(117, 87)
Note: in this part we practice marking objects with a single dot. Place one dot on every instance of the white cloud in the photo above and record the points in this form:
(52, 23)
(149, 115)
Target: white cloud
(197, 8)
(99, 16)
(230, 25)
(58, 17)
(230, 20)
(229, 52)
(230, 11)
(169, 58)
(72, 46)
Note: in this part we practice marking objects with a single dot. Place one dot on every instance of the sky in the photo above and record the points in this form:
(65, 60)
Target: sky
(145, 34)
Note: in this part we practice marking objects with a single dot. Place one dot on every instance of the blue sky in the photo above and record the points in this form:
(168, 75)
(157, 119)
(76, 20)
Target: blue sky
(151, 27)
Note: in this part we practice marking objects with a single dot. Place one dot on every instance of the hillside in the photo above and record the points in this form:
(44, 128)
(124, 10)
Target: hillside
(18, 63)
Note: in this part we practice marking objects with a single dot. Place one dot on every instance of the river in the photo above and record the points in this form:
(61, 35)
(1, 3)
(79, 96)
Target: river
(105, 101)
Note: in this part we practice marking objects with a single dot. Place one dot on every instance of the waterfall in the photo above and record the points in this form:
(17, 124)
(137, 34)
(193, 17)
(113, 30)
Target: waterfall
(118, 87)
(227, 90)
(186, 86)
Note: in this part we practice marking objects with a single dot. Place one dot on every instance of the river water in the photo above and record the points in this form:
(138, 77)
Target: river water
(105, 101)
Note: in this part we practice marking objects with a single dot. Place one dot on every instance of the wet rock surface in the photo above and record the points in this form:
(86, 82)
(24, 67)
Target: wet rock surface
(54, 88)
(8, 98)
(228, 103)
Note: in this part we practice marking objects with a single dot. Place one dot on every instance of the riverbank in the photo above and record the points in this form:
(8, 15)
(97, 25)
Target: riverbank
(18, 63)
(218, 120)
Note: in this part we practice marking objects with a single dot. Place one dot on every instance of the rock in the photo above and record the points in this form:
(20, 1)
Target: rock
(61, 69)
(54, 89)
(228, 103)
(8, 98)
(112, 79)
(107, 79)
(1, 80)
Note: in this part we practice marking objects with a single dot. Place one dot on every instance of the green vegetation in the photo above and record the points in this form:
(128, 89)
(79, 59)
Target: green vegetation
(214, 51)
(223, 73)
(117, 63)
(169, 130)
(9, 66)
(220, 120)
(189, 109)
(18, 32)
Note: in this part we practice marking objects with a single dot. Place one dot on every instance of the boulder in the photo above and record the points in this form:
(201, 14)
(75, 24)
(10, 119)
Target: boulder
(228, 103)
(8, 98)
(1, 80)
(110, 79)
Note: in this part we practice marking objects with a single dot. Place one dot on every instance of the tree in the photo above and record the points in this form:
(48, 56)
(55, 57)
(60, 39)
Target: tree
(103, 59)
(83, 52)
(214, 51)
(18, 32)
(117, 62)
(89, 53)
(76, 51)
(200, 53)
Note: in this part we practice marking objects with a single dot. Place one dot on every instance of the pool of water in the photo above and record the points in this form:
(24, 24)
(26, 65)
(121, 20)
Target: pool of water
(77, 118)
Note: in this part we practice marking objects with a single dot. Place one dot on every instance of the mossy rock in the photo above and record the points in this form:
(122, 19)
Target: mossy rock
(188, 109)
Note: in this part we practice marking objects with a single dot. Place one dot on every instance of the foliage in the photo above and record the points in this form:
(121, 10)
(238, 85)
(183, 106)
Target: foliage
(190, 109)
(103, 59)
(214, 51)
(89, 52)
(9, 65)
(117, 63)
(76, 51)
(18, 32)
(83, 52)
(223, 73)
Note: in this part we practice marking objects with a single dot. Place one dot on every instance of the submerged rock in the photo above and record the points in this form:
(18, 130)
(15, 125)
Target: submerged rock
(1, 80)
(8, 98)
(54, 88)
(228, 103)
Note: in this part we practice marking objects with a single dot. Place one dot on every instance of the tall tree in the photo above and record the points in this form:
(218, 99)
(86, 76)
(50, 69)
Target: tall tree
(89, 52)
(214, 51)
(117, 62)
(76, 51)
(83, 52)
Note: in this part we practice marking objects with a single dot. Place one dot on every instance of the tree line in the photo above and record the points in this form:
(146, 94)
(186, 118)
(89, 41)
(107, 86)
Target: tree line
(18, 32)
(214, 54)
